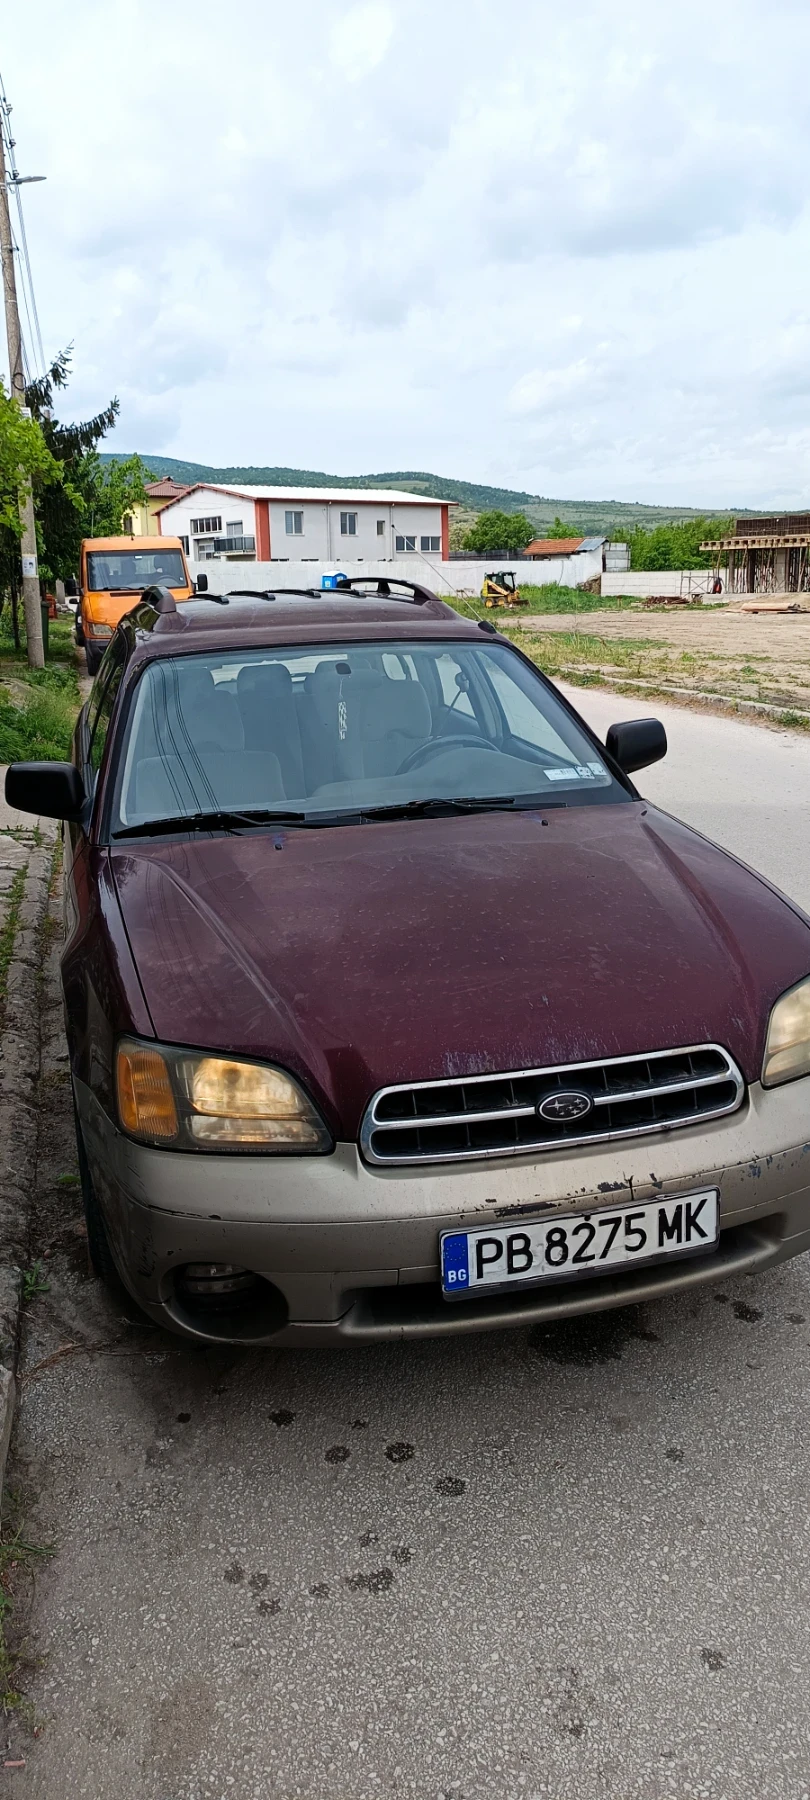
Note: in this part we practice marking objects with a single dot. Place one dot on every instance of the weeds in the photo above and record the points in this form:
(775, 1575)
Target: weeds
(18, 1557)
(8, 934)
(552, 597)
(40, 730)
(38, 707)
(33, 1283)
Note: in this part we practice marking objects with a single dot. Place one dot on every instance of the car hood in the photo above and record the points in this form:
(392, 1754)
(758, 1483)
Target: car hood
(397, 951)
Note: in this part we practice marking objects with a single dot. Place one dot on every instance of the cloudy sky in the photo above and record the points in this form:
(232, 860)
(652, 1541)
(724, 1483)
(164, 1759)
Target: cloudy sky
(564, 248)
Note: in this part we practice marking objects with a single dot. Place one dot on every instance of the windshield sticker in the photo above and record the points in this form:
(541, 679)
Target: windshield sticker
(576, 772)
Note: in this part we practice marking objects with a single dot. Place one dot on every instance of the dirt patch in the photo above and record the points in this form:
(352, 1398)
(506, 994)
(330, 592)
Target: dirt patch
(759, 657)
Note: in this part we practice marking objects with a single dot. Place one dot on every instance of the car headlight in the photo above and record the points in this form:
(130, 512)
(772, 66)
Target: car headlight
(787, 1049)
(189, 1100)
(99, 631)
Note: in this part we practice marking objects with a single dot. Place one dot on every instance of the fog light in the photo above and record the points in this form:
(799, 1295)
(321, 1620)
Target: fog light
(215, 1284)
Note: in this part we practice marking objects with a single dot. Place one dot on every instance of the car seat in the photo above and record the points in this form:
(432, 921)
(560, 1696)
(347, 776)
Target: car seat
(264, 693)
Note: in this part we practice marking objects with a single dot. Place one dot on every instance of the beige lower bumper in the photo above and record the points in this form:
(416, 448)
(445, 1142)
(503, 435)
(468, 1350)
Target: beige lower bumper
(350, 1253)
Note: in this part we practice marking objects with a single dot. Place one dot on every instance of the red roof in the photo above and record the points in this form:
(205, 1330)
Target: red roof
(166, 489)
(553, 546)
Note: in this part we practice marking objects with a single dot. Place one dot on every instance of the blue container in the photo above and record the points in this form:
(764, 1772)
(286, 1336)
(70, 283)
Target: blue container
(332, 577)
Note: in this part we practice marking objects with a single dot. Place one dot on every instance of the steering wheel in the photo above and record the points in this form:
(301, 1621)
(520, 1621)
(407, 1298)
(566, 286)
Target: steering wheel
(438, 747)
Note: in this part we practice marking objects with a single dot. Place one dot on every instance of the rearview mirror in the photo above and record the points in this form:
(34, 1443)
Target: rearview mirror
(636, 743)
(201, 584)
(55, 790)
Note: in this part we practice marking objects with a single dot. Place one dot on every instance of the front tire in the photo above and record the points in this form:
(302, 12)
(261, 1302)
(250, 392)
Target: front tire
(92, 657)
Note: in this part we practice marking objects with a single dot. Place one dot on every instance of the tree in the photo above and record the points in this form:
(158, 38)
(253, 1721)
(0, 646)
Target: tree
(111, 492)
(499, 534)
(560, 530)
(63, 505)
(676, 546)
(24, 456)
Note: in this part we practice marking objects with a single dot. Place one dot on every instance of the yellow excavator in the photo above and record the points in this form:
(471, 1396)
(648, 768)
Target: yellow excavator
(499, 589)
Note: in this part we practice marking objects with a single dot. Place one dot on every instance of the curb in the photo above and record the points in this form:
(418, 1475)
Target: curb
(19, 1074)
(701, 697)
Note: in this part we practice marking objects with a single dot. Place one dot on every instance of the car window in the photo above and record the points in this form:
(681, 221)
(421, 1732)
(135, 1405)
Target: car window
(336, 727)
(128, 571)
(454, 684)
(99, 718)
(523, 719)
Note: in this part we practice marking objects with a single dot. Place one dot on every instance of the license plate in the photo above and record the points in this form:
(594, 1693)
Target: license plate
(565, 1248)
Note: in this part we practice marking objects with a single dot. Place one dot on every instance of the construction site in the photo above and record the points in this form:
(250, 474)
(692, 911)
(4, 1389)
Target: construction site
(764, 556)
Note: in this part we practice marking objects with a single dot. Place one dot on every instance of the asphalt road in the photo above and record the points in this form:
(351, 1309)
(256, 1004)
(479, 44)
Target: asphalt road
(572, 1564)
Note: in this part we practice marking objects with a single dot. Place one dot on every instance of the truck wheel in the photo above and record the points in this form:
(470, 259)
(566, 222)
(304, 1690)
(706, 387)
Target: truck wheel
(78, 632)
(92, 657)
(98, 1243)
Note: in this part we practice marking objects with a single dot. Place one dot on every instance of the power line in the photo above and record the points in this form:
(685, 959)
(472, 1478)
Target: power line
(21, 247)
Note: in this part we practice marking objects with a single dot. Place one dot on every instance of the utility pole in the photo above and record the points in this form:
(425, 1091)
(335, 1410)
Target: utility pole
(28, 545)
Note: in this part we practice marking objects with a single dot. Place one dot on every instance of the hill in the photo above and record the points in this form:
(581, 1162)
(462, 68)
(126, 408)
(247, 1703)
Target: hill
(611, 516)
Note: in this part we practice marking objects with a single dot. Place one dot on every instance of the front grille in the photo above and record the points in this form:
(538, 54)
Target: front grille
(497, 1115)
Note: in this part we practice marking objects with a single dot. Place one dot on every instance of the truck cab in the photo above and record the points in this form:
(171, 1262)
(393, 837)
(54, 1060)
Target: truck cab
(114, 571)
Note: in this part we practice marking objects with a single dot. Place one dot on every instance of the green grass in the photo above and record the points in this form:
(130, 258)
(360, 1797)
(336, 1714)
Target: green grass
(17, 1557)
(561, 652)
(554, 598)
(33, 1282)
(551, 598)
(40, 729)
(8, 933)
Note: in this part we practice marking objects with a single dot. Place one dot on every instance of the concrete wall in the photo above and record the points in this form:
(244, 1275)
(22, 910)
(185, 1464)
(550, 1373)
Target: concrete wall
(223, 576)
(569, 571)
(444, 578)
(662, 582)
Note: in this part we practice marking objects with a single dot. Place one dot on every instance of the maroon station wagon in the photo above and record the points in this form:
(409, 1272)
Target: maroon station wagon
(393, 1008)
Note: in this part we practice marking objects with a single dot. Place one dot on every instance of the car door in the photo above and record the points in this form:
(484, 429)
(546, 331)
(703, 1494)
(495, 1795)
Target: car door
(88, 980)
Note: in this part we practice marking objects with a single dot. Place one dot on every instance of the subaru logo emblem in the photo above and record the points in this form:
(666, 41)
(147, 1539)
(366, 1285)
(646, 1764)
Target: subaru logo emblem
(563, 1108)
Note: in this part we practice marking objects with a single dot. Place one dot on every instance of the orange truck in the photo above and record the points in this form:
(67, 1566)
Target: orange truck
(114, 571)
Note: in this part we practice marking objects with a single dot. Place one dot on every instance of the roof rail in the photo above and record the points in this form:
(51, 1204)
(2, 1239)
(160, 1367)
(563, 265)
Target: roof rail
(160, 598)
(416, 593)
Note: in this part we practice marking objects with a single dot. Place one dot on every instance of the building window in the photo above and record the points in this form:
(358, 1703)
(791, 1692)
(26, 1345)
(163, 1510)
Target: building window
(381, 528)
(348, 524)
(431, 544)
(294, 524)
(200, 526)
(184, 542)
(406, 543)
(234, 527)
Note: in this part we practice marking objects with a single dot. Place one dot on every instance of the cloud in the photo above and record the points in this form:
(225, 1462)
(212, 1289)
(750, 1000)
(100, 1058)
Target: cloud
(359, 42)
(561, 250)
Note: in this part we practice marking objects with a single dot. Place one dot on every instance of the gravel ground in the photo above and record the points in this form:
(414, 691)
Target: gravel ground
(570, 1563)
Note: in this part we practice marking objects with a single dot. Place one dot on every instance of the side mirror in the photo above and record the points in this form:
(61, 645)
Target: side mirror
(201, 584)
(71, 588)
(54, 790)
(636, 743)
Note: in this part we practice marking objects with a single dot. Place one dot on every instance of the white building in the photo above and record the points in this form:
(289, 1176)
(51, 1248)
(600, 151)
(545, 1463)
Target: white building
(325, 525)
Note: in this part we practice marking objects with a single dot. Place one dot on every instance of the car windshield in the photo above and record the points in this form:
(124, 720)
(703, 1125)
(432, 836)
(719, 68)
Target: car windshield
(338, 730)
(134, 569)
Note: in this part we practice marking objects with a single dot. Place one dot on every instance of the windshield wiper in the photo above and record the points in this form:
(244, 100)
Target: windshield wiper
(225, 819)
(458, 803)
(221, 820)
